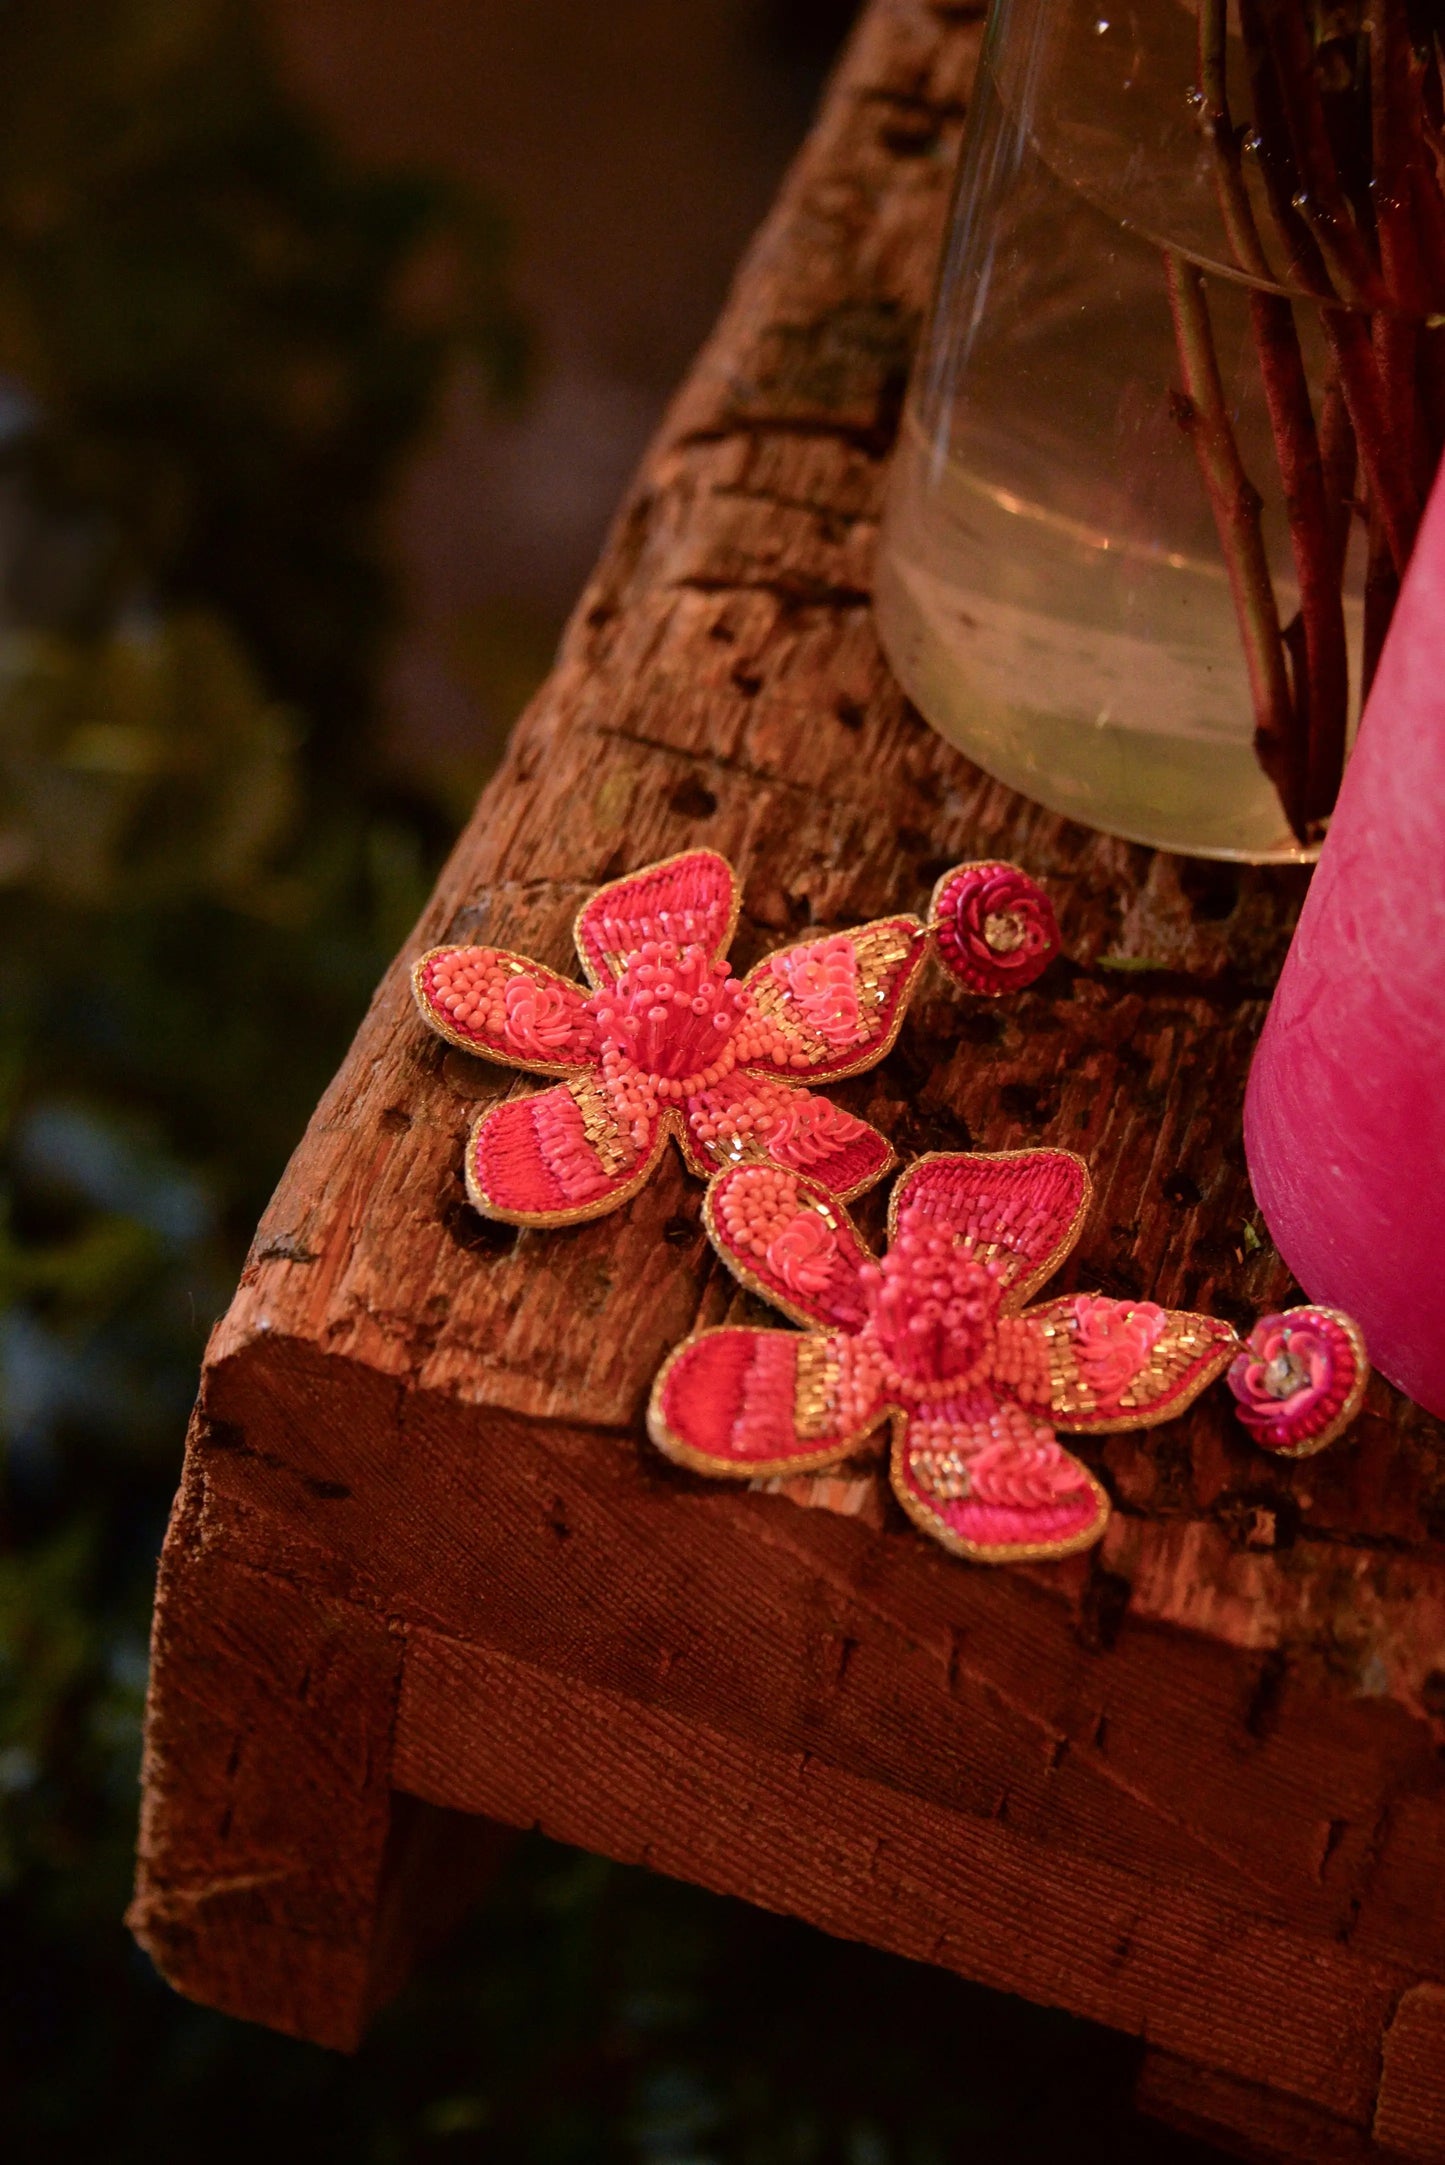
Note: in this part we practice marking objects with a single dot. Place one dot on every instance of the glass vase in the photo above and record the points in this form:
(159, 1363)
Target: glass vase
(1177, 408)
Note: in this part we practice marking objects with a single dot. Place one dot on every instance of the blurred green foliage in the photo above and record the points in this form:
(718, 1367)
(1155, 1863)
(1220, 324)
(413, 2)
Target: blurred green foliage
(216, 341)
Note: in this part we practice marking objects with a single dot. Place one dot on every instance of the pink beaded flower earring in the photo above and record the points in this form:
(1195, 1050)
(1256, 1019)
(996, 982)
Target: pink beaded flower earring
(937, 1342)
(664, 1041)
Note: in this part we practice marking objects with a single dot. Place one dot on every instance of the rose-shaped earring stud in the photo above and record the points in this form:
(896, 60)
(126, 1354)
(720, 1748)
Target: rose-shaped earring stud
(994, 927)
(1299, 1379)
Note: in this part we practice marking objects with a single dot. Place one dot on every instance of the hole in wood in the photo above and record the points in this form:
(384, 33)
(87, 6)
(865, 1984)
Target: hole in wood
(692, 800)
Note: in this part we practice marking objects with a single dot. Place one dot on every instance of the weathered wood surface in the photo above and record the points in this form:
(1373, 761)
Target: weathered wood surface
(1192, 1785)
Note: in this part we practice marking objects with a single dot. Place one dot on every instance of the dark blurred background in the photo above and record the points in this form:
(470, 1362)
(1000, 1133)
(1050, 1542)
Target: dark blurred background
(329, 333)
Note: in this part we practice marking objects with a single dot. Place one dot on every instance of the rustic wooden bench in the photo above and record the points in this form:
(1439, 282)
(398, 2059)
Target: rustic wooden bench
(424, 1574)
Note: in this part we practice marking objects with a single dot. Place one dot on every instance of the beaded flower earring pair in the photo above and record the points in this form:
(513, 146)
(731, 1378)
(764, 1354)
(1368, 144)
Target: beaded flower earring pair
(935, 1340)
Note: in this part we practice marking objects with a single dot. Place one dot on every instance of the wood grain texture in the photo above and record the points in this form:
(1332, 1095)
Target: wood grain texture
(1190, 1785)
(267, 1789)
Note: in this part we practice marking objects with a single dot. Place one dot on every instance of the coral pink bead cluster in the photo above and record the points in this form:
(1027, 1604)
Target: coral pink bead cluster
(767, 1219)
(672, 1013)
(932, 1306)
(673, 1026)
(1018, 1362)
(934, 1329)
(480, 992)
(754, 1212)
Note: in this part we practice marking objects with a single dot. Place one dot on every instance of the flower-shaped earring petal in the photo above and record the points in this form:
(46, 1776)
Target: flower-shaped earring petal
(664, 1040)
(936, 1341)
(1299, 1380)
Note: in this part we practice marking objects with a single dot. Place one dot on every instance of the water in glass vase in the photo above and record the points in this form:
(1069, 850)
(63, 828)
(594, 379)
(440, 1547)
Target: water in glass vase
(1052, 590)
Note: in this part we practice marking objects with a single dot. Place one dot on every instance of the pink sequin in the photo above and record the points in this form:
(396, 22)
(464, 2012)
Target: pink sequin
(1007, 1459)
(802, 1253)
(809, 1130)
(1113, 1340)
(537, 1020)
(823, 980)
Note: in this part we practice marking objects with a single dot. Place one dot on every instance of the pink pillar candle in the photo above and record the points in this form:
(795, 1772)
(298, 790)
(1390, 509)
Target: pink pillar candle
(1344, 1121)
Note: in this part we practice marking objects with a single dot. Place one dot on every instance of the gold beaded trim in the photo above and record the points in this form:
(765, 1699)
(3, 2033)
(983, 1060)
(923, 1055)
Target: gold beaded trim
(775, 1004)
(815, 1388)
(1173, 1352)
(1069, 1394)
(881, 950)
(614, 1150)
(944, 1474)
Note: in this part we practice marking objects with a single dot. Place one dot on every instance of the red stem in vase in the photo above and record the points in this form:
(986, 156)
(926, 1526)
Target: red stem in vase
(1316, 641)
(1321, 198)
(1345, 186)
(1346, 330)
(1203, 413)
(1325, 678)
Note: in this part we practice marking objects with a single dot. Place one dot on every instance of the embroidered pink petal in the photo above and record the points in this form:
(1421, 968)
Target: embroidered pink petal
(788, 1238)
(1020, 1210)
(1299, 1380)
(749, 1403)
(558, 1157)
(813, 1135)
(993, 1483)
(505, 1008)
(997, 930)
(742, 1118)
(833, 1006)
(691, 900)
(1125, 1364)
